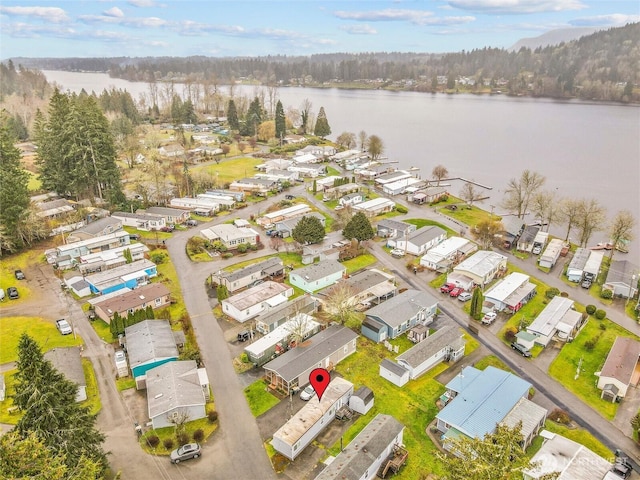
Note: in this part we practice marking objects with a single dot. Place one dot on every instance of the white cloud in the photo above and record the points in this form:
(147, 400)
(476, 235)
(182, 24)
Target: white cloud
(52, 14)
(135, 22)
(615, 19)
(114, 12)
(359, 29)
(416, 17)
(142, 3)
(517, 6)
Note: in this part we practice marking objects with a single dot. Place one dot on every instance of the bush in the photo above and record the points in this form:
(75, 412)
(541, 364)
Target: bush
(590, 344)
(183, 438)
(227, 255)
(153, 441)
(168, 443)
(600, 314)
(603, 326)
(198, 435)
(564, 294)
(590, 309)
(510, 334)
(402, 209)
(560, 416)
(212, 416)
(242, 248)
(552, 292)
(606, 294)
(158, 258)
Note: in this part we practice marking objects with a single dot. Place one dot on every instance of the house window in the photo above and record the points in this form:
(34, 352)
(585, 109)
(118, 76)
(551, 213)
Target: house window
(130, 310)
(158, 301)
(346, 348)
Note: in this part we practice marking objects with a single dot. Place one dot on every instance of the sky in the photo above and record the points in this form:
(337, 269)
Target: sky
(136, 28)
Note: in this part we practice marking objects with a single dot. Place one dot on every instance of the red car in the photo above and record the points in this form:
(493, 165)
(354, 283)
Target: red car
(456, 291)
(447, 287)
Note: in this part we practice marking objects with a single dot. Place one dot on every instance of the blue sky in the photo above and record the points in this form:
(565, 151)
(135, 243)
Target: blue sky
(103, 28)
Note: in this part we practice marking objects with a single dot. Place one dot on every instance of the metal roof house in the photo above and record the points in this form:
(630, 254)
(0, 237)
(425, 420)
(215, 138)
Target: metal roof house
(317, 276)
(150, 344)
(68, 361)
(140, 221)
(397, 315)
(230, 235)
(481, 400)
(155, 295)
(622, 278)
(93, 245)
(279, 340)
(284, 214)
(576, 266)
(621, 368)
(97, 228)
(418, 242)
(326, 349)
(391, 229)
(510, 293)
(245, 305)
(571, 460)
(112, 258)
(366, 453)
(448, 252)
(171, 215)
(446, 344)
(557, 319)
(276, 316)
(131, 275)
(200, 206)
(174, 390)
(376, 206)
(243, 277)
(301, 429)
(478, 269)
(368, 287)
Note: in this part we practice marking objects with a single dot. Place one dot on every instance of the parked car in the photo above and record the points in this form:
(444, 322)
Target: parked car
(622, 468)
(397, 253)
(244, 335)
(289, 197)
(465, 297)
(522, 350)
(192, 223)
(2, 294)
(489, 318)
(447, 287)
(185, 452)
(307, 393)
(167, 228)
(19, 275)
(456, 292)
(134, 236)
(586, 283)
(537, 250)
(12, 293)
(120, 356)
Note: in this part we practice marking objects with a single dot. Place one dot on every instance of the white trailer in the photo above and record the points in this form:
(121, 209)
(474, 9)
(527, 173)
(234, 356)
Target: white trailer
(592, 267)
(577, 264)
(540, 242)
(550, 256)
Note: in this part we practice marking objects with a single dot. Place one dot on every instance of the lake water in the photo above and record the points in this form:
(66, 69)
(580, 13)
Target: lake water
(585, 150)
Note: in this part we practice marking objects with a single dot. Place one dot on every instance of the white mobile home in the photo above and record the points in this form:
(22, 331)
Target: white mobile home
(245, 305)
(292, 438)
(374, 207)
(576, 266)
(550, 256)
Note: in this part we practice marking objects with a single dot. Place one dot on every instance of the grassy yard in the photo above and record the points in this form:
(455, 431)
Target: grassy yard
(169, 433)
(469, 216)
(102, 329)
(93, 395)
(259, 398)
(8, 416)
(491, 361)
(580, 436)
(167, 275)
(43, 332)
(564, 367)
(359, 262)
(7, 279)
(125, 383)
(229, 170)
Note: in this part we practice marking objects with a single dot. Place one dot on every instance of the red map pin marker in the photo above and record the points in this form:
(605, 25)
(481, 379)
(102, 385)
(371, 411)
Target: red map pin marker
(319, 379)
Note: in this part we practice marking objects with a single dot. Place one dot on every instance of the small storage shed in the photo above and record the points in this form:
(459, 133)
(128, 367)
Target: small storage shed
(362, 400)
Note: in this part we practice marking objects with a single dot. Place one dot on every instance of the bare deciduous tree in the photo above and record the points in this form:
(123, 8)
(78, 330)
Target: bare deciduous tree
(375, 146)
(485, 232)
(569, 210)
(346, 140)
(362, 139)
(340, 303)
(179, 418)
(439, 172)
(621, 229)
(297, 327)
(519, 192)
(470, 194)
(545, 207)
(591, 218)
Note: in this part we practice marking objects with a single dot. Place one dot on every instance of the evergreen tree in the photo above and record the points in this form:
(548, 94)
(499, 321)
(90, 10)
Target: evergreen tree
(322, 129)
(14, 194)
(477, 299)
(232, 116)
(315, 187)
(127, 255)
(359, 228)
(222, 292)
(50, 411)
(281, 123)
(308, 230)
(253, 118)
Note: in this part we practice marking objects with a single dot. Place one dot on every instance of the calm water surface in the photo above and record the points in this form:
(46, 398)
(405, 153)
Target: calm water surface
(585, 150)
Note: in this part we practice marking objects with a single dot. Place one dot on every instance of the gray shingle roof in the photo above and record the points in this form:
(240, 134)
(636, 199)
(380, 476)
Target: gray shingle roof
(150, 340)
(319, 270)
(300, 359)
(425, 235)
(416, 355)
(302, 304)
(364, 393)
(393, 367)
(173, 385)
(363, 451)
(250, 269)
(68, 362)
(393, 225)
(622, 271)
(99, 225)
(404, 306)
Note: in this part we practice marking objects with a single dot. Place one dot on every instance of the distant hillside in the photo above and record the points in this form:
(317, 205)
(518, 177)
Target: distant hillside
(604, 65)
(553, 37)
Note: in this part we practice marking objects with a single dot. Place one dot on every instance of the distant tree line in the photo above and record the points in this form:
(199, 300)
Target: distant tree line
(573, 69)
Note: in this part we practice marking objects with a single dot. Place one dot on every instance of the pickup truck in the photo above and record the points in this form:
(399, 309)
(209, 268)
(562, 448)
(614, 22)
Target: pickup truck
(63, 326)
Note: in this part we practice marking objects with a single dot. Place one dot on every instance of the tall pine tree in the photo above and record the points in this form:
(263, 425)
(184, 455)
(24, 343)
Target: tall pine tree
(50, 411)
(322, 128)
(281, 124)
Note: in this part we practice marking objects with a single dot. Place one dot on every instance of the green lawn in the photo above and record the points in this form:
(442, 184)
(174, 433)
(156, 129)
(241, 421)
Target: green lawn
(564, 367)
(43, 332)
(580, 436)
(469, 216)
(259, 398)
(169, 432)
(93, 395)
(7, 279)
(125, 383)
(493, 361)
(34, 182)
(102, 329)
(359, 262)
(6, 415)
(229, 170)
(333, 172)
